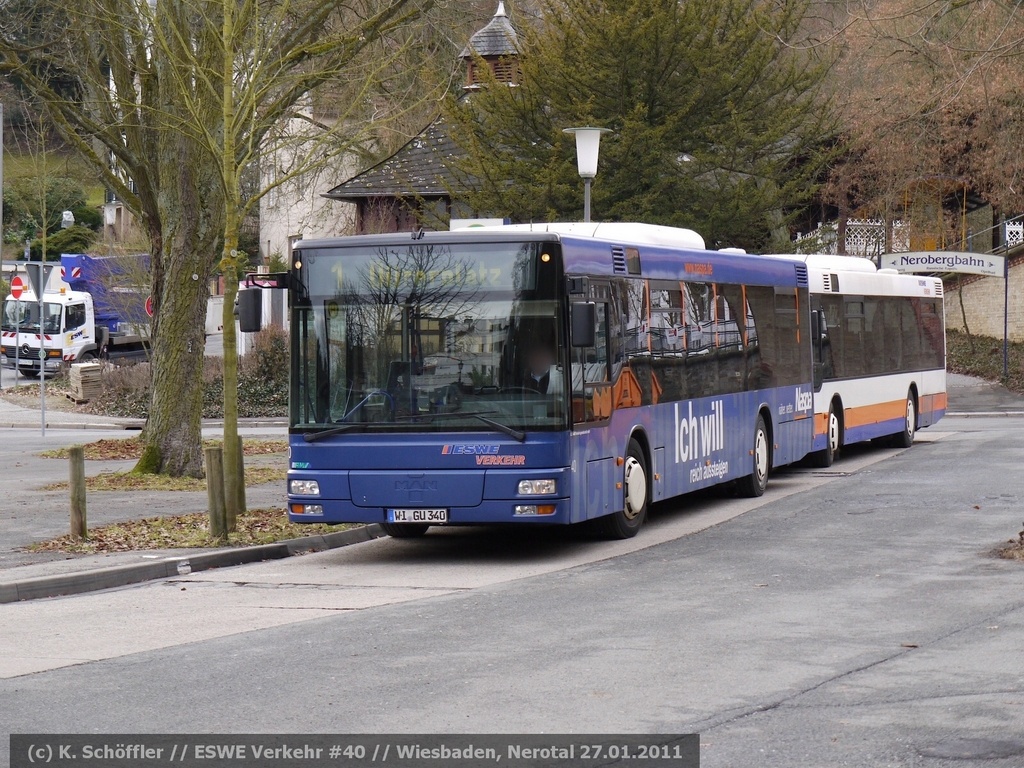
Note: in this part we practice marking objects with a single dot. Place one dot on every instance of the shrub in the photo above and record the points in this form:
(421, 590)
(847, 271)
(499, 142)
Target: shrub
(74, 239)
(125, 391)
(268, 359)
(262, 384)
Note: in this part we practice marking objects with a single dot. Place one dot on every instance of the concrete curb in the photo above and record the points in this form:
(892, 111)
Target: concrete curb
(985, 414)
(72, 425)
(123, 575)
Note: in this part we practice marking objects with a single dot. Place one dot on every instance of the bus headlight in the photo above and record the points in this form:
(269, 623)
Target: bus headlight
(536, 487)
(303, 488)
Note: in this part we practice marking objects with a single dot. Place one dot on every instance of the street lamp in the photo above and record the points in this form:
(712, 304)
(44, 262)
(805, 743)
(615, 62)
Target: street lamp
(588, 143)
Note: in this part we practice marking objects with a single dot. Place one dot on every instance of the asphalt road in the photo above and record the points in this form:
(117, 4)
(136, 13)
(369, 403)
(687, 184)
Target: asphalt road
(852, 617)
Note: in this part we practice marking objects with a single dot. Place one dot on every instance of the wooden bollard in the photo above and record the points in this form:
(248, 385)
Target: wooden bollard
(76, 456)
(215, 493)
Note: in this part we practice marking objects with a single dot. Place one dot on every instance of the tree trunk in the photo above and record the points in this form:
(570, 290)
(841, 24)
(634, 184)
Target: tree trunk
(190, 197)
(234, 480)
(234, 470)
(963, 312)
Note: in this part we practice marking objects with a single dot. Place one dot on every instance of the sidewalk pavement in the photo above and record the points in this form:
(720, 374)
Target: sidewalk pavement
(969, 396)
(25, 576)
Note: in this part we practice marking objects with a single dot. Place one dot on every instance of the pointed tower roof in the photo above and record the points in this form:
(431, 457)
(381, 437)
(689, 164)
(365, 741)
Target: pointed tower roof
(498, 38)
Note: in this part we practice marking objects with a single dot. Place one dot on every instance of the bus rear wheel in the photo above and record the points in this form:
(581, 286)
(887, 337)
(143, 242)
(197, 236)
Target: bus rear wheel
(905, 439)
(833, 441)
(404, 530)
(625, 523)
(754, 484)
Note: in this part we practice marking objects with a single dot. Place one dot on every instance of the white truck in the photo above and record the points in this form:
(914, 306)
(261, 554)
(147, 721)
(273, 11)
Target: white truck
(77, 325)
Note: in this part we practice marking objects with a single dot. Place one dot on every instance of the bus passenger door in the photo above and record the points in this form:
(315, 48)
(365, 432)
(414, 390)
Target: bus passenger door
(591, 395)
(823, 368)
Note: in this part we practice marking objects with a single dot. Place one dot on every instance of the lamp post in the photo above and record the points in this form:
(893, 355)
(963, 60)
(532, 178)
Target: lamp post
(588, 144)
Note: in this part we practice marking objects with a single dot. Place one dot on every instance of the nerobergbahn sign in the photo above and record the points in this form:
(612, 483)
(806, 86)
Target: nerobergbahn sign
(946, 261)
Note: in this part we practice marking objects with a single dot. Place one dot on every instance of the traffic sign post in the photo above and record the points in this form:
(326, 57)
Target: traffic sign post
(39, 274)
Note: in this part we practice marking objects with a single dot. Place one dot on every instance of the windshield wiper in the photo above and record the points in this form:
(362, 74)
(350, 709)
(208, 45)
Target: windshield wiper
(312, 437)
(515, 434)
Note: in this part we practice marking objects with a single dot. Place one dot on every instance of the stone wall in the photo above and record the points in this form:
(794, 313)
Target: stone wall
(983, 301)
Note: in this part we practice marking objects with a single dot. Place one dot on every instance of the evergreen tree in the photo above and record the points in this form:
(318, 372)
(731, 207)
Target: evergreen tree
(717, 118)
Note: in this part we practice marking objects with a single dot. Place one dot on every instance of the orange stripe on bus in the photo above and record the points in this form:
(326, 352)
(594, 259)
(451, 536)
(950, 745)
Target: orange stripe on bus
(872, 414)
(931, 403)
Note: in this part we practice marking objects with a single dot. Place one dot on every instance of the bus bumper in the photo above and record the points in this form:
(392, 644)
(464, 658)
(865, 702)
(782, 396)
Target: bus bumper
(550, 511)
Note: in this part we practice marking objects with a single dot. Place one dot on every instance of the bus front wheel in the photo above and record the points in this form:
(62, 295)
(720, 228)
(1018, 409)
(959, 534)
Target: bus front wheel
(625, 523)
(404, 530)
(754, 484)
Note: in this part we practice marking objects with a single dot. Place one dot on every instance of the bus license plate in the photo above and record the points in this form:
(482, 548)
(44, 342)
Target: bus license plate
(417, 515)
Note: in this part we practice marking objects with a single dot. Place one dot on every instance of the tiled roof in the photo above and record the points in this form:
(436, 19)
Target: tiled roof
(417, 169)
(498, 38)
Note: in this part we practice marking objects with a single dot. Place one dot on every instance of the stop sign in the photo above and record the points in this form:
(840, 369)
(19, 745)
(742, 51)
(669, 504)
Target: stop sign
(17, 287)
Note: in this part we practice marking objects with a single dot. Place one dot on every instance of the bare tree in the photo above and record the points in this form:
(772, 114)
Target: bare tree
(171, 102)
(931, 98)
(273, 57)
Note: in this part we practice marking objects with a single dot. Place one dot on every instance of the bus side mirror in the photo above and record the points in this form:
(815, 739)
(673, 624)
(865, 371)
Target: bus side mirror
(582, 323)
(250, 310)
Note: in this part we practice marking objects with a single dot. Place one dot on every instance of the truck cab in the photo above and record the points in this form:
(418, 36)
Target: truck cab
(67, 332)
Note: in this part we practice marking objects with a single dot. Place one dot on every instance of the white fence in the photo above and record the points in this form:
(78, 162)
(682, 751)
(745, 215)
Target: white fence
(864, 237)
(1014, 233)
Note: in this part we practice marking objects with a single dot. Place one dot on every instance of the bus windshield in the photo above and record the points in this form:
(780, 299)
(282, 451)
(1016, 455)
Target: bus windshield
(25, 315)
(433, 337)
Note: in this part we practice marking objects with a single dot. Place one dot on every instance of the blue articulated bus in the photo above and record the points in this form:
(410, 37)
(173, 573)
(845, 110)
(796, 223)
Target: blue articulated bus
(548, 374)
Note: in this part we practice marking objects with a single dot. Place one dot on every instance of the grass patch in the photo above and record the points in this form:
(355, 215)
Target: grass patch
(256, 526)
(130, 448)
(128, 481)
(1013, 550)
